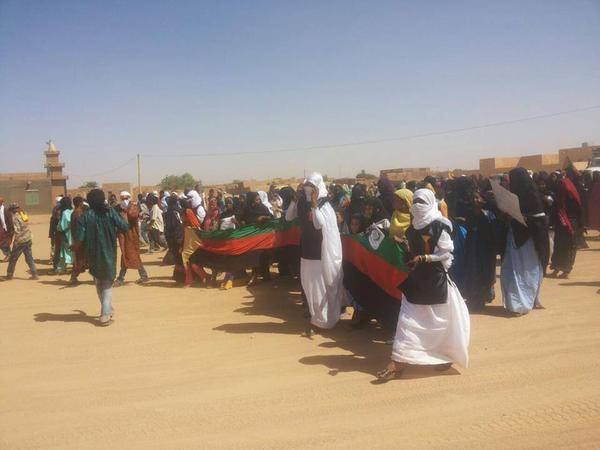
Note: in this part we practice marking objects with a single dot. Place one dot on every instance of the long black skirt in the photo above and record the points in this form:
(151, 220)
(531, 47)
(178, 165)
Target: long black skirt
(565, 248)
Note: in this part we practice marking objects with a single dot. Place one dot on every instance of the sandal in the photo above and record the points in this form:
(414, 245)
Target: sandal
(389, 374)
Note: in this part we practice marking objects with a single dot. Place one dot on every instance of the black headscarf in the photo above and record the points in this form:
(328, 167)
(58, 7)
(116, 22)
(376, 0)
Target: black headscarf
(531, 205)
(151, 200)
(173, 204)
(357, 202)
(287, 195)
(228, 212)
(77, 201)
(386, 194)
(523, 186)
(97, 201)
(254, 210)
(463, 190)
(379, 212)
(66, 203)
(173, 222)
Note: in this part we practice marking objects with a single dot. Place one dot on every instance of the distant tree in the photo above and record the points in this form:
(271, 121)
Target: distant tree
(236, 181)
(89, 185)
(171, 182)
(366, 176)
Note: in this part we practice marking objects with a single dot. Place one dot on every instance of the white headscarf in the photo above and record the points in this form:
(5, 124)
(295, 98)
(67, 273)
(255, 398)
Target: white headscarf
(2, 221)
(316, 179)
(125, 194)
(264, 199)
(163, 200)
(195, 198)
(425, 213)
(197, 205)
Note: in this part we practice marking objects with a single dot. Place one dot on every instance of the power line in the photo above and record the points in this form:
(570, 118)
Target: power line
(347, 144)
(105, 172)
(378, 141)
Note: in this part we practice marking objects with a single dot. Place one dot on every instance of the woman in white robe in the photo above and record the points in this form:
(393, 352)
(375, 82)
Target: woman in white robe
(430, 331)
(321, 262)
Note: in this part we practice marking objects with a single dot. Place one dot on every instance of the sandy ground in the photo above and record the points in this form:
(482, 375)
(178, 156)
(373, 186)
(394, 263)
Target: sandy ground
(201, 368)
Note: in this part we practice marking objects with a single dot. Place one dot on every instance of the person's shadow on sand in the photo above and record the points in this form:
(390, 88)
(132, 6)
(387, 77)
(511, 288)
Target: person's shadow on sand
(363, 350)
(65, 284)
(77, 316)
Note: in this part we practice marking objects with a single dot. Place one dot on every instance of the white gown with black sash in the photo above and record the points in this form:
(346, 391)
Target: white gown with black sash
(434, 334)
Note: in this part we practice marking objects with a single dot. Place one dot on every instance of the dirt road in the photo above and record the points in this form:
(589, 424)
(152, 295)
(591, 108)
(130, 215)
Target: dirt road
(202, 368)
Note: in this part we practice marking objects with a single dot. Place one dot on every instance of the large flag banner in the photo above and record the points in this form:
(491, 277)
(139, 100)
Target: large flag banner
(373, 276)
(229, 250)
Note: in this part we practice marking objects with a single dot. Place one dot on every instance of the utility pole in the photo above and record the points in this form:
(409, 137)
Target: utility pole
(139, 180)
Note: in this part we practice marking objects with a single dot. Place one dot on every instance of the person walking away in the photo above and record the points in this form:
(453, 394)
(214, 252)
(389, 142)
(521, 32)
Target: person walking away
(64, 228)
(433, 324)
(97, 233)
(527, 248)
(79, 265)
(22, 242)
(129, 241)
(321, 253)
(6, 230)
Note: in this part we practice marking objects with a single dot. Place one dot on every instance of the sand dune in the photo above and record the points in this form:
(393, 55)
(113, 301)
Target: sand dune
(202, 368)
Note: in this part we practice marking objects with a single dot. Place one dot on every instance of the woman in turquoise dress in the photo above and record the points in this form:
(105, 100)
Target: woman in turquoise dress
(64, 227)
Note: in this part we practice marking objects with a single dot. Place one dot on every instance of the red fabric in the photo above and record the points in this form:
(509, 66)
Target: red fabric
(264, 241)
(566, 190)
(190, 219)
(387, 276)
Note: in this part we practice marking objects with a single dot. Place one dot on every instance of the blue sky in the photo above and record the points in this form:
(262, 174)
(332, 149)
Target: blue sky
(110, 79)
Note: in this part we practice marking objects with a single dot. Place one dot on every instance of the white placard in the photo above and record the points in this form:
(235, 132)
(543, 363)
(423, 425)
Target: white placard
(507, 202)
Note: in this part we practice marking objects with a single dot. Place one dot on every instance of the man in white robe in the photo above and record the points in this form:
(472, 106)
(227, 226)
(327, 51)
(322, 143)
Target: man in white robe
(321, 253)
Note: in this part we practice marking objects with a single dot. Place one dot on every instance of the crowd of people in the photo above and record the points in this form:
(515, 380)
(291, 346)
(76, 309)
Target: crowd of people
(451, 231)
